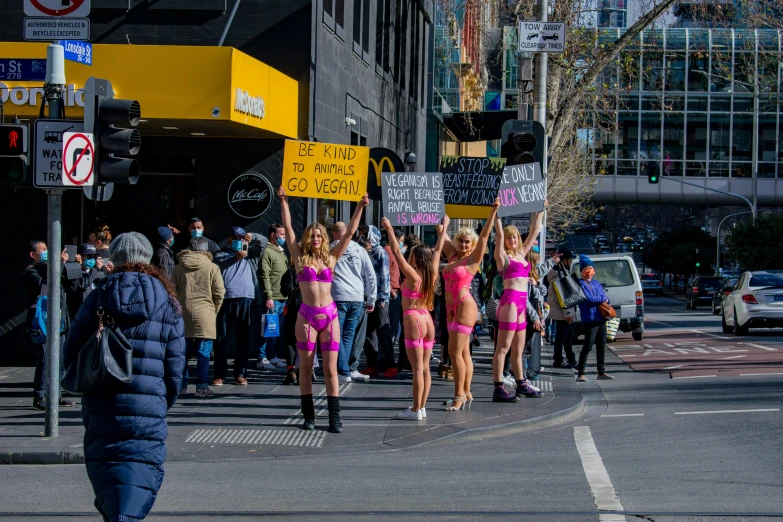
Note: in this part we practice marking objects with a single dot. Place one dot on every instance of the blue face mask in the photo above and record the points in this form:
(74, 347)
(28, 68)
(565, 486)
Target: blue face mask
(172, 242)
(88, 263)
(402, 244)
(196, 233)
(281, 241)
(236, 244)
(536, 249)
(44, 257)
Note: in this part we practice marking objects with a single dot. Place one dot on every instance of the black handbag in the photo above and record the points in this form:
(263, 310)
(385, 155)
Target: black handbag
(568, 291)
(107, 357)
(289, 282)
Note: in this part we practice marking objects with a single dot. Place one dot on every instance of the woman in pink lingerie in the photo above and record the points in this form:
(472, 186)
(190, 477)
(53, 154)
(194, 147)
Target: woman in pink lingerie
(418, 293)
(317, 318)
(510, 255)
(465, 256)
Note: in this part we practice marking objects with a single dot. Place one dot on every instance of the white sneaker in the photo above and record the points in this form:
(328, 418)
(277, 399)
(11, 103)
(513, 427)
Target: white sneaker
(423, 413)
(509, 381)
(263, 364)
(359, 377)
(343, 379)
(277, 363)
(409, 414)
(536, 388)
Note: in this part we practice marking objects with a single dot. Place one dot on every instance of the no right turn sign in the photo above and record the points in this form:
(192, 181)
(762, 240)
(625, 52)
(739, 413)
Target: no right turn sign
(57, 8)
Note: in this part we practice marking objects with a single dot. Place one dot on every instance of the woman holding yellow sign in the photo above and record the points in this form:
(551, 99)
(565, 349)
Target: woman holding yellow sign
(464, 260)
(317, 318)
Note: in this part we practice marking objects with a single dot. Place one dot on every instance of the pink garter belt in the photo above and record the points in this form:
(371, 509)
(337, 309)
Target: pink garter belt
(518, 299)
(309, 314)
(420, 343)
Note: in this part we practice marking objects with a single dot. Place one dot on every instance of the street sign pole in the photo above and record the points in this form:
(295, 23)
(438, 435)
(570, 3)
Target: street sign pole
(54, 88)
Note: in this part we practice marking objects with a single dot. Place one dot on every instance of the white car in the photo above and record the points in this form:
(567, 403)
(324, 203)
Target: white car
(756, 301)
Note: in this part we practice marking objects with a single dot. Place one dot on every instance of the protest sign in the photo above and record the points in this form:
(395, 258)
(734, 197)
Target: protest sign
(325, 170)
(521, 190)
(470, 185)
(412, 198)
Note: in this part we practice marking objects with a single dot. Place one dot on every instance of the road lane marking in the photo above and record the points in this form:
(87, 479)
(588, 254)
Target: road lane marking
(734, 357)
(724, 411)
(710, 334)
(675, 367)
(694, 377)
(623, 415)
(752, 374)
(601, 487)
(767, 348)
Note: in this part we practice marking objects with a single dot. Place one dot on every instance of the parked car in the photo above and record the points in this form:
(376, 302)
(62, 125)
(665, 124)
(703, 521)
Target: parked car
(652, 283)
(724, 289)
(755, 301)
(620, 279)
(700, 291)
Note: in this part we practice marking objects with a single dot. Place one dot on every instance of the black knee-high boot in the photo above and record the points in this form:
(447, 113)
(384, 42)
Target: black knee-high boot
(308, 411)
(335, 426)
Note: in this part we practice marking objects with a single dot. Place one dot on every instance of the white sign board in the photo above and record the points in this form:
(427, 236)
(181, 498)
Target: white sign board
(57, 8)
(78, 159)
(49, 143)
(542, 37)
(46, 29)
(522, 223)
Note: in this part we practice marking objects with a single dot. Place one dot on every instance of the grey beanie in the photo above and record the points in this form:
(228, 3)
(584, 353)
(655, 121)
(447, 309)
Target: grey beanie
(130, 248)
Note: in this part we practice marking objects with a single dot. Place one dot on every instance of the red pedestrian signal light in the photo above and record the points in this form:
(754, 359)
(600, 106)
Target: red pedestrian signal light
(13, 140)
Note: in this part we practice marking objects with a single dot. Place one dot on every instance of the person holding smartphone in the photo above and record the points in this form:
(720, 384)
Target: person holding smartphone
(238, 263)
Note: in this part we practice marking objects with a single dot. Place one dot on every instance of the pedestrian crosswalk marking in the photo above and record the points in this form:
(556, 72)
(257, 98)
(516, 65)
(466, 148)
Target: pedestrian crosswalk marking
(274, 437)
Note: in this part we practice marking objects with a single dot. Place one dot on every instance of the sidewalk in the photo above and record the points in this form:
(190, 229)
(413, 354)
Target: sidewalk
(262, 419)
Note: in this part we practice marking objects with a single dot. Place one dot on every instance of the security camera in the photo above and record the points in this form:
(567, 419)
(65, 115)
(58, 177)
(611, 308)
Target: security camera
(350, 122)
(410, 158)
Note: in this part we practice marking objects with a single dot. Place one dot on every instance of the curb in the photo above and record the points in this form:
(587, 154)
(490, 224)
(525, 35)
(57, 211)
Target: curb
(542, 421)
(41, 457)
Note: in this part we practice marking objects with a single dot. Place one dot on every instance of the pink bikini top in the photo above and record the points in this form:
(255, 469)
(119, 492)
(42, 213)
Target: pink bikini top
(516, 269)
(457, 278)
(413, 294)
(309, 275)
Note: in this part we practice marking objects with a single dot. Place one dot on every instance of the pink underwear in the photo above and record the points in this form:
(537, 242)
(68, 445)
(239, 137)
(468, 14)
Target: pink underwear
(309, 314)
(518, 299)
(422, 324)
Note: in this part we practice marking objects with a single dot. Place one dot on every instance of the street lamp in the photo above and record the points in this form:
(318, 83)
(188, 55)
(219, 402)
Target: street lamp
(754, 156)
(717, 258)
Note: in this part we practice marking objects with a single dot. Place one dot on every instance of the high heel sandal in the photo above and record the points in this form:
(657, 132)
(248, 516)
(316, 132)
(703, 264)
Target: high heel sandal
(469, 399)
(454, 401)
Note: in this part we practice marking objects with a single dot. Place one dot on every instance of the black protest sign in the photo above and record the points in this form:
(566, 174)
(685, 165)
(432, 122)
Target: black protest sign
(522, 190)
(470, 184)
(412, 198)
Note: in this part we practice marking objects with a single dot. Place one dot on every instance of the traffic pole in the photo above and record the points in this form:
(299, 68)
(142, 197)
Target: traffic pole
(54, 89)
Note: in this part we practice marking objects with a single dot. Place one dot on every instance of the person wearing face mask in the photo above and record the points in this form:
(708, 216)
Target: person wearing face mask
(274, 264)
(35, 281)
(163, 258)
(196, 230)
(238, 263)
(593, 323)
(93, 270)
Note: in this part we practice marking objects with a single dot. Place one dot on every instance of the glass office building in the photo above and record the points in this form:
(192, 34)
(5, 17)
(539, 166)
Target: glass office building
(684, 105)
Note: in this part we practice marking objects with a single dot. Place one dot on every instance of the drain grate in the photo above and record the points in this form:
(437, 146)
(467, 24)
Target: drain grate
(276, 437)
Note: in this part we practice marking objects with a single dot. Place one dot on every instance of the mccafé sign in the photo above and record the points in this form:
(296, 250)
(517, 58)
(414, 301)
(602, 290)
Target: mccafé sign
(32, 95)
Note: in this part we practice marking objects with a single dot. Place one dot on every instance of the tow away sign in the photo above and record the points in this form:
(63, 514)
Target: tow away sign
(542, 37)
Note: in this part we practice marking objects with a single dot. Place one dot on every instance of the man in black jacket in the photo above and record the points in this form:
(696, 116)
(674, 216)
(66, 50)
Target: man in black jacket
(93, 269)
(163, 258)
(35, 281)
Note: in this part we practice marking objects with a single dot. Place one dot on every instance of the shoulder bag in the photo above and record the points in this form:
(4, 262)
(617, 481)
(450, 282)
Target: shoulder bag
(106, 357)
(567, 289)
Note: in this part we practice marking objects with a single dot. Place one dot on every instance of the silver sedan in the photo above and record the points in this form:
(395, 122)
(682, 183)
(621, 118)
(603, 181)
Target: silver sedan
(756, 301)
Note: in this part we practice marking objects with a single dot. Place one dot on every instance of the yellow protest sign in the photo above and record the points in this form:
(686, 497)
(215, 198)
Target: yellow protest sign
(325, 170)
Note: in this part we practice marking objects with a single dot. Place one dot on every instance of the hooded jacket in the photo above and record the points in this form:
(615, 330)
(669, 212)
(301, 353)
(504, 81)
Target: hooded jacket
(125, 424)
(200, 291)
(163, 258)
(353, 276)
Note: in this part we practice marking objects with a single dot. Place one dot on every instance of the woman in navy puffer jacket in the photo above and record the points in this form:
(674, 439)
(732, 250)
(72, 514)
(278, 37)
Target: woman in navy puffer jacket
(593, 323)
(125, 424)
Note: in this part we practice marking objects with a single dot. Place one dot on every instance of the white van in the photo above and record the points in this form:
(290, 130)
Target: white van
(620, 279)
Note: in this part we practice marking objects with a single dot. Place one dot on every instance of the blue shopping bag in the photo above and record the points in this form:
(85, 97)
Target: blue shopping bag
(271, 325)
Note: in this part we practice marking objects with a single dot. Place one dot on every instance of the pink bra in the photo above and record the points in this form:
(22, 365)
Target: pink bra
(309, 275)
(516, 269)
(457, 277)
(412, 294)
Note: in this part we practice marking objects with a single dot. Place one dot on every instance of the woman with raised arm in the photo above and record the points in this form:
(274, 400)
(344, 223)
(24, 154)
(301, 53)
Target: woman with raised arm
(317, 318)
(418, 294)
(510, 254)
(464, 261)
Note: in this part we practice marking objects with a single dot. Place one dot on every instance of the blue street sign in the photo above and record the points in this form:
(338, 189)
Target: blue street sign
(75, 51)
(22, 69)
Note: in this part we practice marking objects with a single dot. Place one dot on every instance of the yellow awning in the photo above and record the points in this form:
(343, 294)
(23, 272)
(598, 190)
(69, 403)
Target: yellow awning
(215, 91)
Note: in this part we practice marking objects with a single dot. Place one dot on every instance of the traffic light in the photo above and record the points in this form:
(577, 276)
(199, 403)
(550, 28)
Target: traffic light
(13, 153)
(652, 172)
(522, 142)
(107, 117)
(698, 264)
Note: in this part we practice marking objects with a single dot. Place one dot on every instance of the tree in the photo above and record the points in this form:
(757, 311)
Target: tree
(679, 251)
(757, 245)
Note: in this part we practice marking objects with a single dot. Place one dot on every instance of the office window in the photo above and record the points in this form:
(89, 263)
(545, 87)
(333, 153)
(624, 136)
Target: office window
(413, 88)
(383, 24)
(361, 26)
(336, 10)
